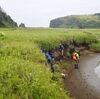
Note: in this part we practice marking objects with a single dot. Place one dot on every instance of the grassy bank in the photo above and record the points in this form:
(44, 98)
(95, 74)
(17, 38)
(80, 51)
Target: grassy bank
(24, 73)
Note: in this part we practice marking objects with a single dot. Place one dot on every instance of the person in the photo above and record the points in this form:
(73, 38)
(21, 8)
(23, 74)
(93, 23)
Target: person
(78, 51)
(50, 59)
(61, 48)
(75, 57)
(71, 51)
(51, 54)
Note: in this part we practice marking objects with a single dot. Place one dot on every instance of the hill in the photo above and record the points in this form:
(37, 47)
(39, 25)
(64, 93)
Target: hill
(77, 21)
(6, 20)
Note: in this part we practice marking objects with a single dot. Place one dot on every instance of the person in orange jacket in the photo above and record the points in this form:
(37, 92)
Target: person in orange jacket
(75, 57)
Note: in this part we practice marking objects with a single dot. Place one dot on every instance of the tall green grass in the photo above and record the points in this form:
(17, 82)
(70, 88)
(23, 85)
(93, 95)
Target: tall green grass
(96, 47)
(24, 73)
(23, 70)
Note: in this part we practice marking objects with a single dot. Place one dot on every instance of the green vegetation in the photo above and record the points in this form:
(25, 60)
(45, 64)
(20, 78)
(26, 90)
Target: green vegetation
(96, 47)
(24, 73)
(77, 21)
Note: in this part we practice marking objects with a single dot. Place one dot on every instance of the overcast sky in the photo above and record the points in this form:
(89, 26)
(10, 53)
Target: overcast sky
(38, 13)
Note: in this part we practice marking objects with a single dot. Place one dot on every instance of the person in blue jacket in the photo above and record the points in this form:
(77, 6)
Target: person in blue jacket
(50, 59)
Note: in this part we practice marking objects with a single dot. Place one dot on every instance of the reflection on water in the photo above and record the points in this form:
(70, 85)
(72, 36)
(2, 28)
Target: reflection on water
(97, 70)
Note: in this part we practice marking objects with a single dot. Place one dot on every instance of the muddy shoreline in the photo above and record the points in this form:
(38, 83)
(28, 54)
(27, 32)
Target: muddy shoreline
(84, 83)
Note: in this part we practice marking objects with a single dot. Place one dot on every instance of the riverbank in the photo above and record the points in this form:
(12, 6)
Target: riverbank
(84, 83)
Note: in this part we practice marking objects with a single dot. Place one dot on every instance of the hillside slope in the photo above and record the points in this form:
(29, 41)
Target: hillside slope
(77, 21)
(6, 20)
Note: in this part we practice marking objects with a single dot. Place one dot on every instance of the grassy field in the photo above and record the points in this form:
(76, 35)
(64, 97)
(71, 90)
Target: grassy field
(24, 73)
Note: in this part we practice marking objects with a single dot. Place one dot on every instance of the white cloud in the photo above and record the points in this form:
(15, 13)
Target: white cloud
(40, 12)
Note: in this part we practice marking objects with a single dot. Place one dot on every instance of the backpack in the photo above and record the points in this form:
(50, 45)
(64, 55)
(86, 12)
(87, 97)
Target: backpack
(75, 56)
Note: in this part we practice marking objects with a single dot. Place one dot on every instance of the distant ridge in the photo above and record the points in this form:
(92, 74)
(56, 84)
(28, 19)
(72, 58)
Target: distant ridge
(6, 20)
(77, 21)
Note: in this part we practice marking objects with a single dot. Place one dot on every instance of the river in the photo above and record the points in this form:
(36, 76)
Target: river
(84, 83)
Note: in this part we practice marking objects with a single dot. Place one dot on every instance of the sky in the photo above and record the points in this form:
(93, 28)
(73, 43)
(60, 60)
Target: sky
(38, 13)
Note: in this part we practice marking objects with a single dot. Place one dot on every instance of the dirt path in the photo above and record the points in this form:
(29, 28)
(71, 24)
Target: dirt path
(84, 83)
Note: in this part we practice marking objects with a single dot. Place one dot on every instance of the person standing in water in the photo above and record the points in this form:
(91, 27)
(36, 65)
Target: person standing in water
(75, 57)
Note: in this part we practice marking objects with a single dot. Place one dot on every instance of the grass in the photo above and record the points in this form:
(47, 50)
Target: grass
(96, 47)
(23, 70)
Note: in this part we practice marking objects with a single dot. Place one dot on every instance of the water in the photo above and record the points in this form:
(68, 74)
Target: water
(97, 70)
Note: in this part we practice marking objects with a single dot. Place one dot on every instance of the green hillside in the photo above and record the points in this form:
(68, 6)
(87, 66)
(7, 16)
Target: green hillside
(6, 20)
(77, 21)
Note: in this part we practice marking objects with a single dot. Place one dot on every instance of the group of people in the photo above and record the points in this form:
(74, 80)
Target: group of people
(74, 55)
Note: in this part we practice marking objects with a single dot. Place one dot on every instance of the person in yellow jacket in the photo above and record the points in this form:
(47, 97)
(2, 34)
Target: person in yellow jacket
(75, 57)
